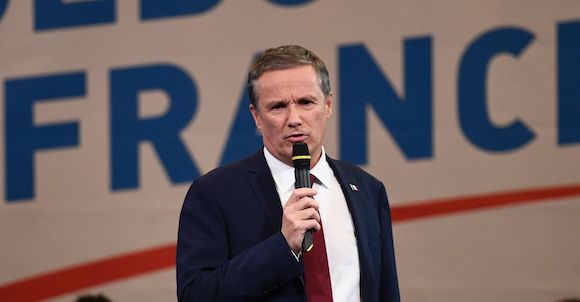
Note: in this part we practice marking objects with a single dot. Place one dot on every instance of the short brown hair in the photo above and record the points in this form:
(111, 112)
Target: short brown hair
(286, 57)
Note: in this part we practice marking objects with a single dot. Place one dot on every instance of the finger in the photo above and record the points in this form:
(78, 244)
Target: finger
(307, 214)
(311, 224)
(299, 204)
(307, 202)
(300, 193)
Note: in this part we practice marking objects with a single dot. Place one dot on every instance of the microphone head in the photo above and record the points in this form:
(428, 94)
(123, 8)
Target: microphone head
(300, 155)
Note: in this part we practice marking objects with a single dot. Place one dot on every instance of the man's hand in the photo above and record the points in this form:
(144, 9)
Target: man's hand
(299, 215)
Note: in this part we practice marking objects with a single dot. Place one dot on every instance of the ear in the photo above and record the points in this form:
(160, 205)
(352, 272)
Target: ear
(328, 106)
(256, 116)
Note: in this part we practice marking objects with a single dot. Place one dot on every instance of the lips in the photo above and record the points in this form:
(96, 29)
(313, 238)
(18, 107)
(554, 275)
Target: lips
(296, 137)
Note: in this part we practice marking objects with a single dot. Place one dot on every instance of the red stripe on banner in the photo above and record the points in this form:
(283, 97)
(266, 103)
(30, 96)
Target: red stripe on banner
(471, 203)
(90, 274)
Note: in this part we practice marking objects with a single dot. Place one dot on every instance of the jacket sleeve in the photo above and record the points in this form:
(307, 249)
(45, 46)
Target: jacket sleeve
(206, 270)
(389, 286)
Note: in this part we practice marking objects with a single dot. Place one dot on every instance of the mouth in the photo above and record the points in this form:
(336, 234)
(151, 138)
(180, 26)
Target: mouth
(296, 137)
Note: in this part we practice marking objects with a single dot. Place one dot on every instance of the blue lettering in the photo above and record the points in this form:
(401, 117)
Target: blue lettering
(155, 9)
(54, 14)
(23, 138)
(569, 83)
(128, 130)
(409, 119)
(244, 138)
(475, 123)
(3, 5)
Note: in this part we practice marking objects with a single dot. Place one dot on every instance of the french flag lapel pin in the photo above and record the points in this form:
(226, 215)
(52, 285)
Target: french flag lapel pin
(353, 187)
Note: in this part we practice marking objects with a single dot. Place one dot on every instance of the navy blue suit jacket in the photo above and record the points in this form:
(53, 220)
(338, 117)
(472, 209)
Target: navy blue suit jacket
(230, 247)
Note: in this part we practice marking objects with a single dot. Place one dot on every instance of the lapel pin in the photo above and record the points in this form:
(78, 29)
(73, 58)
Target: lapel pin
(353, 187)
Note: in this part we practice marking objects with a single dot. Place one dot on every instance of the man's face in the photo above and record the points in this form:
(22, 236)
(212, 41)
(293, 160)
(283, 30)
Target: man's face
(291, 108)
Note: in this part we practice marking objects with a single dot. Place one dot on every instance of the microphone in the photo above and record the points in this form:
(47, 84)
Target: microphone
(301, 161)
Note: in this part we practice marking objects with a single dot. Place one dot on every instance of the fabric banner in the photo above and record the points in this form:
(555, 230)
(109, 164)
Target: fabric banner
(467, 111)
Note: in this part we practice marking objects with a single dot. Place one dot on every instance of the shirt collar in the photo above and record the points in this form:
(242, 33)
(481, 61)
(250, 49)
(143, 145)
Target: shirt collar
(283, 174)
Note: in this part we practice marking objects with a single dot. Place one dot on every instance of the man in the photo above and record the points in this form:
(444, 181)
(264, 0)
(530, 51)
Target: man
(242, 225)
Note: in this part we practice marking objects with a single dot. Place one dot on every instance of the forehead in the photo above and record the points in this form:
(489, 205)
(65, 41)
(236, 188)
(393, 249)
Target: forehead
(288, 83)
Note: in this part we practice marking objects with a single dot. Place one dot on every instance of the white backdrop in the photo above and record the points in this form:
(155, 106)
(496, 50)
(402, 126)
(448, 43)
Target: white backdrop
(471, 224)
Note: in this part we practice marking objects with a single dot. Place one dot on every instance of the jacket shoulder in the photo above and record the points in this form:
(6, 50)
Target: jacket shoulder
(234, 171)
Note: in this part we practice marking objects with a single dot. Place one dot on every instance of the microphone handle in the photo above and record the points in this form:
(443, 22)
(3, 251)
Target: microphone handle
(302, 176)
(307, 242)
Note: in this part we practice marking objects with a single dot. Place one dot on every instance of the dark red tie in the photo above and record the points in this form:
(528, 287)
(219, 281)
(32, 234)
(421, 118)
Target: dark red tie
(316, 273)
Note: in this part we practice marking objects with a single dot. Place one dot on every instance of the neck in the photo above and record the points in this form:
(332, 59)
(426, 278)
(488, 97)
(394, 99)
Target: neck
(314, 159)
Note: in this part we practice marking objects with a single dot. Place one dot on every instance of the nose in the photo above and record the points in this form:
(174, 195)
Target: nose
(294, 119)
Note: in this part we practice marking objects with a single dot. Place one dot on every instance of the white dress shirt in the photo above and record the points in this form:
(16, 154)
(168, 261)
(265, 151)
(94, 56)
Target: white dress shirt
(341, 247)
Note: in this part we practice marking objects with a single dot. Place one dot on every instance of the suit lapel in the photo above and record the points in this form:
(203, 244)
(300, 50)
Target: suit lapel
(263, 185)
(356, 205)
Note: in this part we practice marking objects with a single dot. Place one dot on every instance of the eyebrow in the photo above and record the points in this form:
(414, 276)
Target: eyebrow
(307, 97)
(276, 103)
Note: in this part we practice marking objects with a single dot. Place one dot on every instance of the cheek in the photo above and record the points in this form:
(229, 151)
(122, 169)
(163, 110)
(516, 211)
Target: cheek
(271, 127)
(320, 125)
(322, 120)
(276, 125)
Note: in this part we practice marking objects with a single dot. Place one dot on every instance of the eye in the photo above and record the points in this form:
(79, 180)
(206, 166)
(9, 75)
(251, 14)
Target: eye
(277, 106)
(305, 102)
